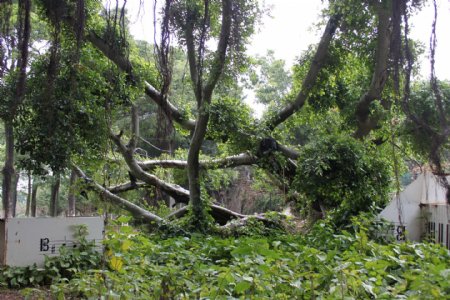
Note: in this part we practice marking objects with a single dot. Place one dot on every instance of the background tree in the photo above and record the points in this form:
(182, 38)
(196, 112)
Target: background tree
(14, 43)
(270, 79)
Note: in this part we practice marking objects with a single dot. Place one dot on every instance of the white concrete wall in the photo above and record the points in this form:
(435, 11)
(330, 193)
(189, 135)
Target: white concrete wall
(425, 190)
(407, 209)
(25, 241)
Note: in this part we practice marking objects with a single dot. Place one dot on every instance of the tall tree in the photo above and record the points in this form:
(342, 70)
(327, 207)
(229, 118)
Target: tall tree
(14, 42)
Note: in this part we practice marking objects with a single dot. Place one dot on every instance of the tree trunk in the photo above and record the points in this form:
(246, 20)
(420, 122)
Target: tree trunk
(54, 196)
(204, 96)
(380, 74)
(27, 209)
(72, 189)
(8, 171)
(33, 199)
(24, 29)
(194, 168)
(14, 194)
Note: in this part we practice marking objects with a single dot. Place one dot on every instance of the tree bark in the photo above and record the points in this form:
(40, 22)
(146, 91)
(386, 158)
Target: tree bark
(14, 194)
(227, 162)
(19, 92)
(137, 211)
(72, 197)
(8, 171)
(27, 209)
(125, 65)
(53, 211)
(380, 74)
(33, 198)
(125, 187)
(203, 113)
(140, 213)
(176, 191)
(168, 108)
(220, 214)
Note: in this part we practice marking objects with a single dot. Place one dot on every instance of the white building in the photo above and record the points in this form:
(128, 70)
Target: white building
(421, 211)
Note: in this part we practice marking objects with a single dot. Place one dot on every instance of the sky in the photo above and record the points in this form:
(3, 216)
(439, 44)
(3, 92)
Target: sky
(291, 27)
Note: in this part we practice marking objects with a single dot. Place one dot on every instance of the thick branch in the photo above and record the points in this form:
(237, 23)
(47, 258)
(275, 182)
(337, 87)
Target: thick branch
(182, 211)
(110, 52)
(125, 187)
(243, 159)
(311, 76)
(227, 162)
(176, 191)
(137, 211)
(168, 108)
(24, 39)
(380, 74)
(196, 80)
(220, 55)
(132, 144)
(288, 152)
(125, 65)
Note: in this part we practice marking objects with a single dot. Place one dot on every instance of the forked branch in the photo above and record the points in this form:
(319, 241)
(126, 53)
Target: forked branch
(177, 192)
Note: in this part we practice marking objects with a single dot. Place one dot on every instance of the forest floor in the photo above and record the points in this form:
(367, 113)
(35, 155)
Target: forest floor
(10, 295)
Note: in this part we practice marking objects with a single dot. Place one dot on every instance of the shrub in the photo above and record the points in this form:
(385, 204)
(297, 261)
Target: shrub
(323, 264)
(341, 175)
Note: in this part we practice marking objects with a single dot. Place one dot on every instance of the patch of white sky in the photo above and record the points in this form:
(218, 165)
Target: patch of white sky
(292, 25)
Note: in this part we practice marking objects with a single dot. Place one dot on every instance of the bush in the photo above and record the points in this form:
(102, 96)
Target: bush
(341, 175)
(323, 264)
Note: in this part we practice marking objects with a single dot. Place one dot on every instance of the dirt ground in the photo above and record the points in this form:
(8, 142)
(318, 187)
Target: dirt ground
(6, 294)
(10, 295)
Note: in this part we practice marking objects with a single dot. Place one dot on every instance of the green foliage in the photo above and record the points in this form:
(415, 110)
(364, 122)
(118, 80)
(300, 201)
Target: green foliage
(190, 16)
(199, 219)
(57, 119)
(422, 104)
(230, 121)
(323, 264)
(342, 175)
(72, 261)
(270, 79)
(358, 25)
(344, 77)
(274, 224)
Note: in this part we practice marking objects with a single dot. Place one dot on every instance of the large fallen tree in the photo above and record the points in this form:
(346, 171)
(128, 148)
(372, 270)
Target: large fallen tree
(204, 85)
(195, 25)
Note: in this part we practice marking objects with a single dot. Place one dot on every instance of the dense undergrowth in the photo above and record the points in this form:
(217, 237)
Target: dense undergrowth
(319, 265)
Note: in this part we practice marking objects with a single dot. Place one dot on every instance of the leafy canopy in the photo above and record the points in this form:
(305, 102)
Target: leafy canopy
(341, 174)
